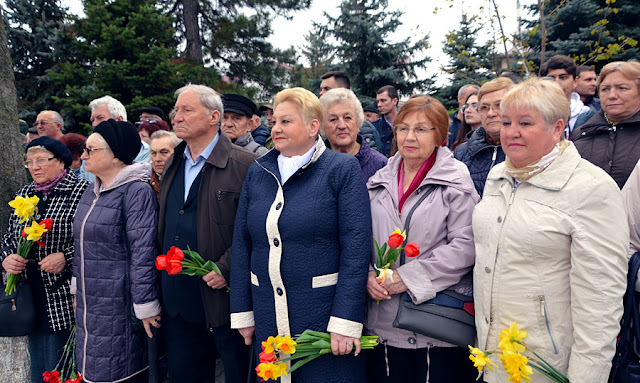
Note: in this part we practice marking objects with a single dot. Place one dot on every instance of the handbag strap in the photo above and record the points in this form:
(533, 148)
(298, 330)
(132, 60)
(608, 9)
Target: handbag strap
(407, 221)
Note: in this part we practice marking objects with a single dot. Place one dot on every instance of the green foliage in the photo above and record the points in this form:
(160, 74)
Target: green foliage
(363, 49)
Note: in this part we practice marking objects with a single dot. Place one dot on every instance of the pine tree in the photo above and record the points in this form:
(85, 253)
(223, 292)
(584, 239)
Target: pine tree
(38, 40)
(364, 51)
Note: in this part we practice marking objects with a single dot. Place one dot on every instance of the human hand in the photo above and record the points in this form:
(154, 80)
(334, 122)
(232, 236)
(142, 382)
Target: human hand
(214, 280)
(151, 321)
(395, 287)
(341, 345)
(14, 264)
(53, 263)
(247, 334)
(375, 289)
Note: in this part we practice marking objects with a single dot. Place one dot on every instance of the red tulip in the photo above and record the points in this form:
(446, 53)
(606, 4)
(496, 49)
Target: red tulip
(24, 235)
(395, 239)
(161, 262)
(175, 253)
(174, 267)
(267, 357)
(412, 249)
(48, 223)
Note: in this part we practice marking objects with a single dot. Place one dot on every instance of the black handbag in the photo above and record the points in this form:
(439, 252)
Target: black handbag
(17, 311)
(448, 317)
(626, 362)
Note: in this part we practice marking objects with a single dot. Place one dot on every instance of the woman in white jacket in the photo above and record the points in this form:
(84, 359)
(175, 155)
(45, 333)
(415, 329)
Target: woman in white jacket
(551, 243)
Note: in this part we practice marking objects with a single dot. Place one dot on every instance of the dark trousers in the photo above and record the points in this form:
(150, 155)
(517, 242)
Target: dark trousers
(46, 348)
(189, 345)
(446, 365)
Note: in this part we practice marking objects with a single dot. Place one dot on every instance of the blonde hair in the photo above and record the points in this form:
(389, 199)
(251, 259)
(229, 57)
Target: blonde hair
(547, 97)
(306, 102)
(342, 96)
(495, 85)
(630, 69)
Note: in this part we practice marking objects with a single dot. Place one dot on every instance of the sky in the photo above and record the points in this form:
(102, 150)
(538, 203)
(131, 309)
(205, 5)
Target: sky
(419, 19)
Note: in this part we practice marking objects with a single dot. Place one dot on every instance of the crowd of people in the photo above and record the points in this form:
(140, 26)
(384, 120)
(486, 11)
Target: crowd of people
(515, 200)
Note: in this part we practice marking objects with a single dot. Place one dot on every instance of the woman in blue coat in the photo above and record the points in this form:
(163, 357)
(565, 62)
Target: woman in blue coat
(301, 243)
(114, 270)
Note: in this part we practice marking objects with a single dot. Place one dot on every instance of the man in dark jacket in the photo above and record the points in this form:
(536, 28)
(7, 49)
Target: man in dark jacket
(198, 199)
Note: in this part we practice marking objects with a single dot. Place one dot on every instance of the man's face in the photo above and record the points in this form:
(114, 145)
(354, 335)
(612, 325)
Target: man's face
(99, 114)
(236, 125)
(193, 121)
(371, 116)
(586, 83)
(46, 126)
(327, 84)
(564, 79)
(463, 97)
(270, 120)
(385, 103)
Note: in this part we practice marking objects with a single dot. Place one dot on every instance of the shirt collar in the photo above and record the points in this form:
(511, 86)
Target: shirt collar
(205, 153)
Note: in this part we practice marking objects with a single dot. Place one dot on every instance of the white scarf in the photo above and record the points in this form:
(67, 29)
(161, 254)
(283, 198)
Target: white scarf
(289, 165)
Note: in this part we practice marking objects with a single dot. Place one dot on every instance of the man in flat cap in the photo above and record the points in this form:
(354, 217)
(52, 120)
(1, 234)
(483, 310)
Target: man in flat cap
(151, 113)
(370, 113)
(238, 123)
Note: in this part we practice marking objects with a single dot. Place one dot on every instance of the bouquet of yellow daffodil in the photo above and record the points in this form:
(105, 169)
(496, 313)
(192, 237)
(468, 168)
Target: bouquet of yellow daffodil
(26, 209)
(307, 346)
(518, 366)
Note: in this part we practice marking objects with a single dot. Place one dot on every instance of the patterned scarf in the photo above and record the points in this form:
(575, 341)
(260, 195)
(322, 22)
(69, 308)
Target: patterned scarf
(526, 172)
(48, 186)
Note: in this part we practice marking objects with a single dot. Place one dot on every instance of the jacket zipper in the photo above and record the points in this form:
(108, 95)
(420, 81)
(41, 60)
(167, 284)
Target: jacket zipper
(543, 312)
(220, 193)
(493, 159)
(84, 292)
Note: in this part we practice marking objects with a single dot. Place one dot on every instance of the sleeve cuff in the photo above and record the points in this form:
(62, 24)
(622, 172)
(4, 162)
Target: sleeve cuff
(419, 287)
(147, 310)
(344, 327)
(74, 287)
(242, 320)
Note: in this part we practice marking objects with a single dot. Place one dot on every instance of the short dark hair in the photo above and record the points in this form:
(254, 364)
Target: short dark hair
(516, 78)
(559, 62)
(340, 77)
(390, 89)
(584, 68)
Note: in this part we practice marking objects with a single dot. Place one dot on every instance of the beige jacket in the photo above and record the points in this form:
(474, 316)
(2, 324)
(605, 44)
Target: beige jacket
(631, 194)
(551, 254)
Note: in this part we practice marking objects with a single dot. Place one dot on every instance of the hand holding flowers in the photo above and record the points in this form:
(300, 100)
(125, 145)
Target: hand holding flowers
(175, 263)
(387, 282)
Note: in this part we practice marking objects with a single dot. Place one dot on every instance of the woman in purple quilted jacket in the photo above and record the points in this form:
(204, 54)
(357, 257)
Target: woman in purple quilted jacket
(114, 272)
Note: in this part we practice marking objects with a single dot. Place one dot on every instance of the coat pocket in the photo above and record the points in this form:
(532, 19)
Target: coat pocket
(324, 280)
(254, 279)
(545, 317)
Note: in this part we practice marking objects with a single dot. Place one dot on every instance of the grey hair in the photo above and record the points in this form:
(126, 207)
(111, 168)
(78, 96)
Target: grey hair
(175, 141)
(208, 97)
(55, 116)
(37, 149)
(342, 96)
(115, 107)
(463, 89)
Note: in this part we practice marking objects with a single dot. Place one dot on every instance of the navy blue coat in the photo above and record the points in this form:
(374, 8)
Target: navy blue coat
(300, 255)
(107, 348)
(479, 156)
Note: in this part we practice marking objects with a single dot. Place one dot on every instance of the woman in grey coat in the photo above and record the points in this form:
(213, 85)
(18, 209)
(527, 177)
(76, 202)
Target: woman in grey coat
(114, 272)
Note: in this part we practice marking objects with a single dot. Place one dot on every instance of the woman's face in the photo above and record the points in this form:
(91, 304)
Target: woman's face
(471, 115)
(161, 149)
(340, 126)
(144, 135)
(416, 138)
(619, 96)
(291, 135)
(490, 112)
(43, 166)
(525, 136)
(97, 159)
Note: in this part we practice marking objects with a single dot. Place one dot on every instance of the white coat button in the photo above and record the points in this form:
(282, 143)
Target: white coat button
(499, 219)
(487, 270)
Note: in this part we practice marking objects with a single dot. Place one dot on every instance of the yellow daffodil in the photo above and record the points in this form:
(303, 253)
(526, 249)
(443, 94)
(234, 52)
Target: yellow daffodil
(480, 359)
(516, 365)
(511, 339)
(269, 345)
(279, 370)
(384, 274)
(35, 231)
(286, 344)
(267, 371)
(24, 207)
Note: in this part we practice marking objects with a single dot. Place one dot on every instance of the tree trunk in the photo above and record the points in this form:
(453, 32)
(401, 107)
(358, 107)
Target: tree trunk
(14, 358)
(190, 12)
(543, 32)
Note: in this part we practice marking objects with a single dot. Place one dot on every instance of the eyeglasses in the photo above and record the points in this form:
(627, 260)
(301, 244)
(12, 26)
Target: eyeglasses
(484, 108)
(473, 106)
(43, 122)
(40, 162)
(403, 130)
(89, 150)
(149, 120)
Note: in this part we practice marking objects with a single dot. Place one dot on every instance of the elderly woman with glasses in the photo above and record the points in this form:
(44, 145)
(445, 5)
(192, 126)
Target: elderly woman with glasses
(47, 268)
(114, 273)
(441, 226)
(551, 243)
(343, 116)
(301, 243)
